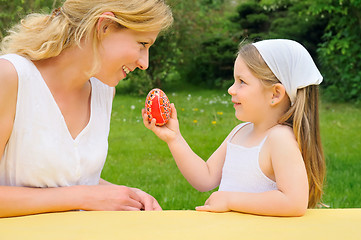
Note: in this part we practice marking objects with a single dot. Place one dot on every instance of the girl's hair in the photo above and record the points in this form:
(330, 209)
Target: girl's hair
(41, 36)
(302, 116)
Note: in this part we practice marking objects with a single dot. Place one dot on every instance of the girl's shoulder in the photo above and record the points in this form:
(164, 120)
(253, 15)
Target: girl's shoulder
(238, 127)
(282, 136)
(281, 129)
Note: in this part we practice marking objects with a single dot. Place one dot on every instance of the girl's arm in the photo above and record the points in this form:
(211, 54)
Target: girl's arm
(291, 198)
(203, 176)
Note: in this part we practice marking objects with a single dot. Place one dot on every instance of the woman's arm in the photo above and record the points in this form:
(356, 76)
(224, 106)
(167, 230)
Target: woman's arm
(291, 197)
(17, 201)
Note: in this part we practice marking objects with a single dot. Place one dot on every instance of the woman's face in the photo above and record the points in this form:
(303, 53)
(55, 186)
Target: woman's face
(121, 51)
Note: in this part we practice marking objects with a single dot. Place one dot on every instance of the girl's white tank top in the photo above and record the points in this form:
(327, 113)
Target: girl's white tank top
(241, 171)
(41, 151)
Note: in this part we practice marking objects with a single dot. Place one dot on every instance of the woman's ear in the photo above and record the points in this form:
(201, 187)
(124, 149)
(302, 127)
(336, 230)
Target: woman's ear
(103, 22)
(278, 94)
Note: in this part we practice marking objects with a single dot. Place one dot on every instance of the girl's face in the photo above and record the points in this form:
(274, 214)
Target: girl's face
(121, 52)
(249, 95)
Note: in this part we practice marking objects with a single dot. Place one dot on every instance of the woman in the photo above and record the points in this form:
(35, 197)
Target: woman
(57, 78)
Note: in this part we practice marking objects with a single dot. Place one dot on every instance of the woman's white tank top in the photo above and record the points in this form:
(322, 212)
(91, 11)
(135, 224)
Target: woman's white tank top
(41, 151)
(241, 171)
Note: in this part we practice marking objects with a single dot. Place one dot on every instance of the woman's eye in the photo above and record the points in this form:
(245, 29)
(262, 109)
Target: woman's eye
(143, 43)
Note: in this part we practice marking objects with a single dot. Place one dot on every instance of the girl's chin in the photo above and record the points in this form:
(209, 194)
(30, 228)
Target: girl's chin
(240, 117)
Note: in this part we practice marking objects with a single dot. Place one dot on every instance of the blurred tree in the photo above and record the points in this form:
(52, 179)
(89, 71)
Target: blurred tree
(12, 11)
(208, 45)
(329, 29)
(180, 54)
(340, 50)
(280, 19)
(200, 47)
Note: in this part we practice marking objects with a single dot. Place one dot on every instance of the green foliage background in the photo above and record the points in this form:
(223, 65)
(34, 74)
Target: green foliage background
(200, 48)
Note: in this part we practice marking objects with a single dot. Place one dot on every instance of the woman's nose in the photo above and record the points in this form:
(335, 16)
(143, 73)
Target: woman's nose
(143, 61)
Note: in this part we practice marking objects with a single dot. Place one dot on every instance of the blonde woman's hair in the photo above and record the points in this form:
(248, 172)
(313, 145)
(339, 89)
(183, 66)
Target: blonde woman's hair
(42, 36)
(302, 116)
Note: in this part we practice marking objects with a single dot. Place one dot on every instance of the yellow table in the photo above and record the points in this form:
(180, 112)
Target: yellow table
(185, 225)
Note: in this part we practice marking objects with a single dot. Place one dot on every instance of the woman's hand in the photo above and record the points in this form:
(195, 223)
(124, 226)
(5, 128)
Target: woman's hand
(111, 197)
(167, 132)
(149, 202)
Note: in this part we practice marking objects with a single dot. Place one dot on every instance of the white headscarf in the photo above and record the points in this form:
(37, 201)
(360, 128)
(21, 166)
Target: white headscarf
(291, 64)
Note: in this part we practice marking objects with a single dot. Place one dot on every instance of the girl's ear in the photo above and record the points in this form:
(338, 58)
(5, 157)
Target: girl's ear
(278, 94)
(103, 22)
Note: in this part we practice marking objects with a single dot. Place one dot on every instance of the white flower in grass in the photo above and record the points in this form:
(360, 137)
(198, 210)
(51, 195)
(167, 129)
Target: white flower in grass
(132, 107)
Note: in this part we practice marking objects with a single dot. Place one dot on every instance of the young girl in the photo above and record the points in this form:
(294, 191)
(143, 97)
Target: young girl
(272, 164)
(57, 81)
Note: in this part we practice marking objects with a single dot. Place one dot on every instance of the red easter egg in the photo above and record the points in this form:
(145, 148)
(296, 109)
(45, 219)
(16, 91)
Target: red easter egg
(157, 106)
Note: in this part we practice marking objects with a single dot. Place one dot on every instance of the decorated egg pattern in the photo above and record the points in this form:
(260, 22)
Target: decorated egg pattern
(157, 106)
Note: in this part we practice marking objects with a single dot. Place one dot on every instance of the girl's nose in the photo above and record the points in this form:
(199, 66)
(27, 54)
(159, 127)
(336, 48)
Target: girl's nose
(230, 90)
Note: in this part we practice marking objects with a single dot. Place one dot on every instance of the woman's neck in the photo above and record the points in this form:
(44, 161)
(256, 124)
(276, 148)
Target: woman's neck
(67, 71)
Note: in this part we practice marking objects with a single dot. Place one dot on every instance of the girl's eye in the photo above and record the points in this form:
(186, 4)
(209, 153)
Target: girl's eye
(241, 81)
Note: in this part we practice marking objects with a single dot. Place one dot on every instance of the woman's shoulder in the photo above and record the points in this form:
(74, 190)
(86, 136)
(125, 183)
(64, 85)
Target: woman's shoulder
(102, 88)
(8, 77)
(8, 97)
(15, 58)
(16, 64)
(96, 82)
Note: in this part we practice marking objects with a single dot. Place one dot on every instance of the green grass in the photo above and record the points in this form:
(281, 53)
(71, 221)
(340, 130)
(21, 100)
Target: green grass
(137, 158)
(340, 131)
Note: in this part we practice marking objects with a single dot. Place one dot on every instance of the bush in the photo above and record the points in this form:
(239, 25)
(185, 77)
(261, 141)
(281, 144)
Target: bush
(12, 11)
(340, 48)
(214, 65)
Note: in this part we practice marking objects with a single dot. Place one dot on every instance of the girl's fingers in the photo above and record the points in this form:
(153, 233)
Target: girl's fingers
(145, 119)
(205, 208)
(174, 111)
